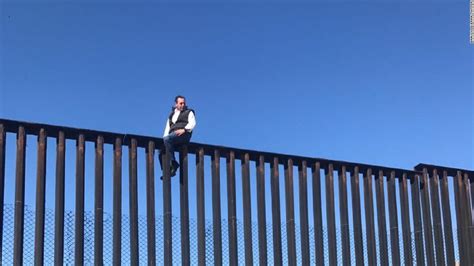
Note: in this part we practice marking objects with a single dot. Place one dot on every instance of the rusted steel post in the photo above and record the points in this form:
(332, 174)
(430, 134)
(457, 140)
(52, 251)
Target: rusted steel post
(133, 201)
(167, 218)
(262, 226)
(405, 211)
(417, 222)
(317, 214)
(79, 230)
(344, 216)
(448, 228)
(150, 202)
(247, 209)
(201, 222)
(381, 219)
(99, 202)
(369, 217)
(216, 207)
(427, 226)
(3, 139)
(331, 216)
(117, 203)
(59, 201)
(19, 197)
(437, 225)
(231, 209)
(40, 198)
(276, 216)
(356, 217)
(290, 213)
(393, 218)
(303, 195)
(184, 205)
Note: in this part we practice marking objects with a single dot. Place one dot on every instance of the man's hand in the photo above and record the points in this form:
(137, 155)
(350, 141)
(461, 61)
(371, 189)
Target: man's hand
(180, 132)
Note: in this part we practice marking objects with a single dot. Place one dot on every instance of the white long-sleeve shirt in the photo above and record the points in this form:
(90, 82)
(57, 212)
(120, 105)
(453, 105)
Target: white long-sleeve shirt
(189, 127)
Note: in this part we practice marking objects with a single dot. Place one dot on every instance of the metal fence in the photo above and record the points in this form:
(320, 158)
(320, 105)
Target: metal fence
(338, 213)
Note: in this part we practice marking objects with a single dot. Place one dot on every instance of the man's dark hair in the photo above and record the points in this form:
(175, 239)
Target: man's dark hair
(177, 97)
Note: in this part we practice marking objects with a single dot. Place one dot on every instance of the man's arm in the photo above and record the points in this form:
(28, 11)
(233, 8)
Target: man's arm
(167, 128)
(191, 122)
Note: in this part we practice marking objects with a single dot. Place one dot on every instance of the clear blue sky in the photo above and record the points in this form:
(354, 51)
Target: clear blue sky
(377, 82)
(385, 83)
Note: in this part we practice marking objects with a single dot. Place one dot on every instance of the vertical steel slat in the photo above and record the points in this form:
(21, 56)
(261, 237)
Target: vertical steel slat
(167, 235)
(405, 211)
(276, 216)
(417, 222)
(317, 214)
(99, 202)
(184, 205)
(216, 207)
(303, 195)
(246, 197)
(427, 225)
(79, 230)
(356, 217)
(40, 198)
(437, 225)
(19, 197)
(468, 218)
(133, 201)
(381, 219)
(448, 228)
(369, 218)
(331, 216)
(117, 203)
(344, 216)
(471, 211)
(59, 201)
(290, 213)
(262, 226)
(201, 222)
(393, 216)
(3, 139)
(150, 202)
(231, 208)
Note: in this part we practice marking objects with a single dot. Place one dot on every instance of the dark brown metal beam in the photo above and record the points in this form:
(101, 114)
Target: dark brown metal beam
(317, 214)
(216, 208)
(184, 205)
(40, 198)
(150, 202)
(276, 218)
(19, 197)
(133, 202)
(117, 203)
(3, 140)
(247, 208)
(369, 218)
(344, 216)
(80, 181)
(262, 226)
(356, 217)
(201, 222)
(99, 202)
(231, 209)
(59, 201)
(405, 212)
(331, 216)
(393, 219)
(303, 195)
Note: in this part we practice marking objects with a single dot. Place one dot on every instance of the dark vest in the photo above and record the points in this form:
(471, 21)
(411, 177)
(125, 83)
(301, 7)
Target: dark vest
(182, 120)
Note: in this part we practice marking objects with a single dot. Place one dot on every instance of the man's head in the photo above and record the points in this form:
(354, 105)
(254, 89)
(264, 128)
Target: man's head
(180, 102)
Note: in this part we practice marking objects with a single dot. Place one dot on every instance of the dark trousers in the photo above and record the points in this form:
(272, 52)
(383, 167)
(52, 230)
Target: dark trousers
(172, 142)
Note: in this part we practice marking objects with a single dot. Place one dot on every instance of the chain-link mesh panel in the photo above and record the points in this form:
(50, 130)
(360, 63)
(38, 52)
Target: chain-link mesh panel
(69, 235)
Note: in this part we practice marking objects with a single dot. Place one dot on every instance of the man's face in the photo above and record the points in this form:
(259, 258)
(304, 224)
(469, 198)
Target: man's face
(180, 103)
